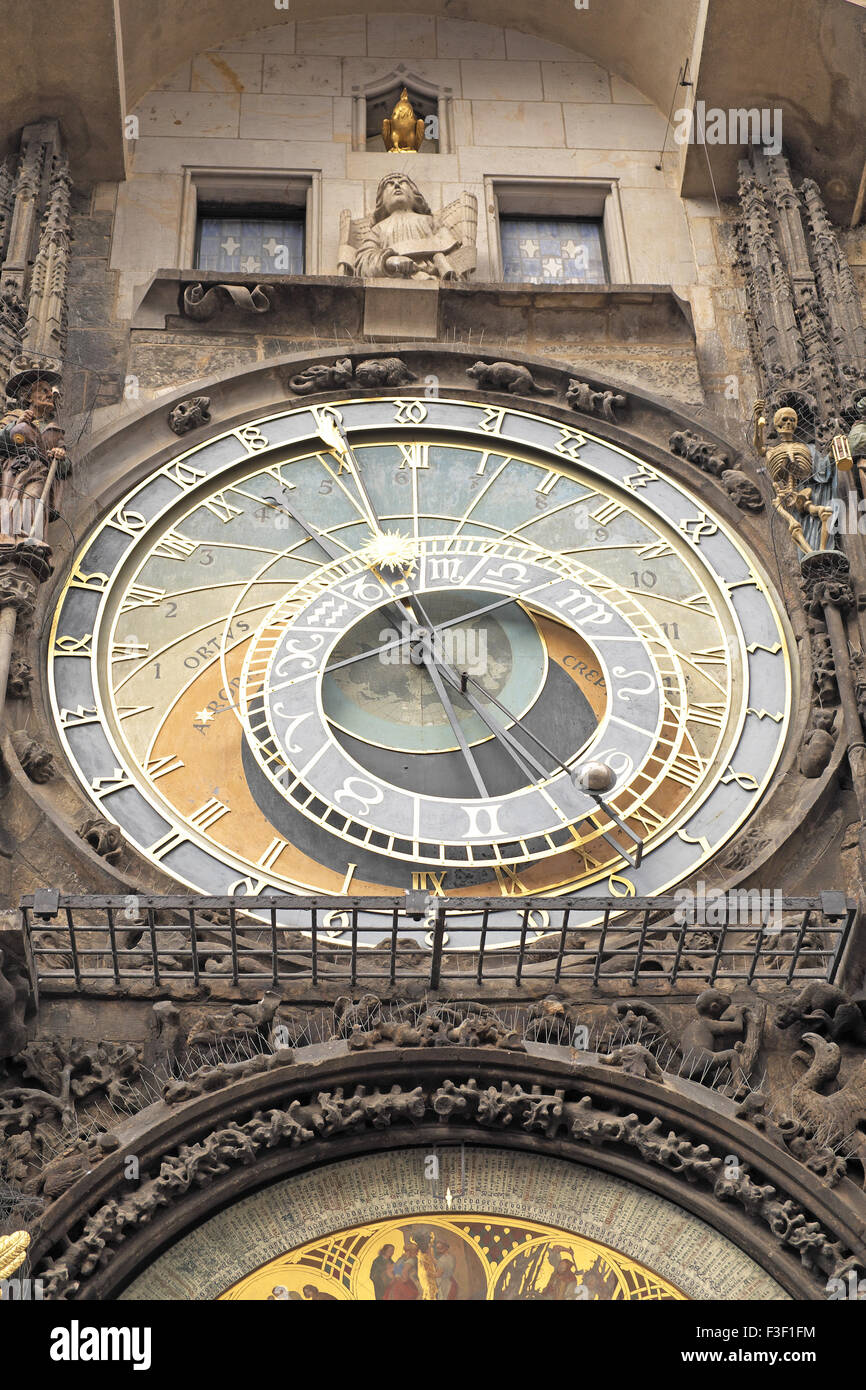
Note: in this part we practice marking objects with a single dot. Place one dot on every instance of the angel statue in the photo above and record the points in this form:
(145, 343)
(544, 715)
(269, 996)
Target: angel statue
(403, 239)
(790, 464)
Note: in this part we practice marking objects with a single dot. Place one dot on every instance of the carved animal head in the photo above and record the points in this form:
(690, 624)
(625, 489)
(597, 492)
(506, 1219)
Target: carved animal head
(712, 1003)
(745, 493)
(825, 1055)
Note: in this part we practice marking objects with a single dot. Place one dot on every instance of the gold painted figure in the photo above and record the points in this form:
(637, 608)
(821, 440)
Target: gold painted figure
(401, 131)
(790, 464)
(13, 1252)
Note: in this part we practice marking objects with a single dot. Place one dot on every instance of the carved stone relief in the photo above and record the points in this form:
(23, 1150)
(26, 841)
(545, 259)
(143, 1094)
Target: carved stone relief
(404, 239)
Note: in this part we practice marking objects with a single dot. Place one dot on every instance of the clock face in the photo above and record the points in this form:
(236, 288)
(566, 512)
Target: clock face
(365, 647)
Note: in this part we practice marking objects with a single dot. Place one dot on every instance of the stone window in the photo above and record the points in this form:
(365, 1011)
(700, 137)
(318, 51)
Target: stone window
(552, 250)
(251, 223)
(556, 232)
(252, 240)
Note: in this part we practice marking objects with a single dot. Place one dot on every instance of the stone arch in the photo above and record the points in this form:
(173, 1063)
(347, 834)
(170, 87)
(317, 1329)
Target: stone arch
(670, 1136)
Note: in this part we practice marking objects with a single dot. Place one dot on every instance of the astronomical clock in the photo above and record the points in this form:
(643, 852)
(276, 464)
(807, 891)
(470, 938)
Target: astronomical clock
(388, 643)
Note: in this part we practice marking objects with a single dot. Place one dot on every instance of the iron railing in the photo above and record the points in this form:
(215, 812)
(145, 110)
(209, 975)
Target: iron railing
(105, 943)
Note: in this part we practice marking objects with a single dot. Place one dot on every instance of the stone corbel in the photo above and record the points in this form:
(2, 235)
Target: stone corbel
(201, 304)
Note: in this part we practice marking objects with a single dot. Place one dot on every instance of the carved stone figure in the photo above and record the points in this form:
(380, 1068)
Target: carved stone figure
(189, 415)
(60, 1173)
(548, 1021)
(350, 1016)
(403, 238)
(838, 1118)
(858, 670)
(373, 372)
(718, 1020)
(104, 838)
(463, 1024)
(818, 743)
(823, 666)
(828, 1010)
(383, 371)
(790, 464)
(401, 131)
(33, 462)
(707, 456)
(581, 396)
(70, 1075)
(207, 1079)
(745, 493)
(200, 303)
(826, 576)
(19, 679)
(35, 760)
(241, 1021)
(13, 1003)
(322, 377)
(636, 1060)
(507, 376)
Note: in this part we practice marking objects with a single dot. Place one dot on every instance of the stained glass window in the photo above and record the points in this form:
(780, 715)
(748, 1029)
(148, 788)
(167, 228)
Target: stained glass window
(250, 243)
(552, 250)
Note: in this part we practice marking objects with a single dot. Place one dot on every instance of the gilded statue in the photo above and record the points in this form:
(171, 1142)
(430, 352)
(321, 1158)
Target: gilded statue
(790, 464)
(13, 1252)
(32, 456)
(404, 239)
(401, 131)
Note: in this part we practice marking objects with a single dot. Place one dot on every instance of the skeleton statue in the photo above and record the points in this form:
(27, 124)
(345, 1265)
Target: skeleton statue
(32, 459)
(790, 464)
(403, 239)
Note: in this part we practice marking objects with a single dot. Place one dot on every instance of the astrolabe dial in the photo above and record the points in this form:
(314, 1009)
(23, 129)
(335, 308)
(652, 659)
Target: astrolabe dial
(368, 647)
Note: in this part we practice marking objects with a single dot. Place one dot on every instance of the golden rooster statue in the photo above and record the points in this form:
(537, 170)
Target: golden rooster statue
(402, 133)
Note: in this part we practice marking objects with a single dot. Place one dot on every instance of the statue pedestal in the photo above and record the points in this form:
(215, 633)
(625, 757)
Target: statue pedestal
(401, 309)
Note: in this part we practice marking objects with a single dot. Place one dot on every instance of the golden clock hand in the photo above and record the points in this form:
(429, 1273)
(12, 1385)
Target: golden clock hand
(599, 800)
(331, 431)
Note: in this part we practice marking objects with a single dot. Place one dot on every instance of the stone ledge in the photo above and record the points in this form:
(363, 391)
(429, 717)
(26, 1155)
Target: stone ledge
(298, 304)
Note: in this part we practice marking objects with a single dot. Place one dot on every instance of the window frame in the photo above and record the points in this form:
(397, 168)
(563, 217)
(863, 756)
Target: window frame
(227, 189)
(587, 199)
(220, 211)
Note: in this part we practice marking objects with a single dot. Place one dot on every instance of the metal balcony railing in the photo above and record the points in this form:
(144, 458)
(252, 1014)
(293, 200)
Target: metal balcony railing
(105, 944)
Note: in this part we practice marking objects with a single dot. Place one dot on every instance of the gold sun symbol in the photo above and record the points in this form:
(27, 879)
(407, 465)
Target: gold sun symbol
(391, 551)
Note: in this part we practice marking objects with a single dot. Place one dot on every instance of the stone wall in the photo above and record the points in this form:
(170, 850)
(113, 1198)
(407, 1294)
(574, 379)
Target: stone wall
(280, 100)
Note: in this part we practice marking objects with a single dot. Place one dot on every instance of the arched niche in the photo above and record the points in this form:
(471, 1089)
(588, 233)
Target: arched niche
(373, 101)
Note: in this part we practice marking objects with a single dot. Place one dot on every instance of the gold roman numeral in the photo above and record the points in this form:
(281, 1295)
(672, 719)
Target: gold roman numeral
(414, 455)
(203, 818)
(141, 596)
(222, 509)
(429, 883)
(174, 545)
